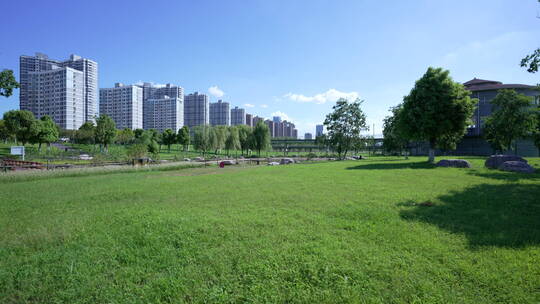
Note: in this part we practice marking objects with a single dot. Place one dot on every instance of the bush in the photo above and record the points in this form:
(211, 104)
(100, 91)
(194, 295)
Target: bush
(137, 151)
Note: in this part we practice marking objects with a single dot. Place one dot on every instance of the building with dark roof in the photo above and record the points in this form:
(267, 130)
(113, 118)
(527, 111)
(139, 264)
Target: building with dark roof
(473, 142)
(485, 91)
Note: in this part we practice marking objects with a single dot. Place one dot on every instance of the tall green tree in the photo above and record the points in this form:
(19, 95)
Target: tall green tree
(47, 131)
(21, 125)
(201, 139)
(233, 140)
(105, 131)
(7, 83)
(536, 133)
(86, 133)
(138, 133)
(218, 136)
(168, 137)
(183, 137)
(437, 110)
(393, 140)
(260, 137)
(125, 136)
(344, 124)
(4, 134)
(244, 135)
(512, 118)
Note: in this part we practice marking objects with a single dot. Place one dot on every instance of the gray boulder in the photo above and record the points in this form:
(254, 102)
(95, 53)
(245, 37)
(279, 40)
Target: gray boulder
(286, 161)
(228, 162)
(516, 166)
(455, 163)
(273, 164)
(495, 161)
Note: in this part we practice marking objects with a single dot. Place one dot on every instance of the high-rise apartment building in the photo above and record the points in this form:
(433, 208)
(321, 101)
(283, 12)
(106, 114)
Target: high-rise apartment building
(256, 120)
(163, 106)
(270, 124)
(164, 113)
(196, 110)
(157, 92)
(238, 116)
(306, 135)
(220, 113)
(276, 119)
(319, 130)
(52, 87)
(124, 104)
(249, 120)
(57, 93)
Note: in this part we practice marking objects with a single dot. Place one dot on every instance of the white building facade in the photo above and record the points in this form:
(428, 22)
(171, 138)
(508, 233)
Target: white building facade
(124, 104)
(44, 88)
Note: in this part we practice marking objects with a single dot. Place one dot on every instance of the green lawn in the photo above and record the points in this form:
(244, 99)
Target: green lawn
(381, 230)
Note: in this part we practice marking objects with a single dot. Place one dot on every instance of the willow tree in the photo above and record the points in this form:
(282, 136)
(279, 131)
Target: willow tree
(437, 110)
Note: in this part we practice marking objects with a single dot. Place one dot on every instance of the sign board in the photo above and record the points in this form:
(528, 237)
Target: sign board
(17, 150)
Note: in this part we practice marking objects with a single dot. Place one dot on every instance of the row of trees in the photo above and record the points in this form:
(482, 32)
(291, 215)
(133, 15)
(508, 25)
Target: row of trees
(22, 127)
(241, 137)
(439, 110)
(205, 138)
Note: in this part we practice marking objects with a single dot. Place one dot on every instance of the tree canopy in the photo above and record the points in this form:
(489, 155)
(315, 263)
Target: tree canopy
(394, 141)
(168, 137)
(437, 110)
(512, 118)
(105, 131)
(531, 61)
(7, 83)
(201, 139)
(260, 137)
(21, 124)
(183, 137)
(344, 125)
(47, 131)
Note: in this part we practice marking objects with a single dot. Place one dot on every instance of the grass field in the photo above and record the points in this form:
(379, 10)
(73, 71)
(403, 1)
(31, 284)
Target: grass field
(380, 230)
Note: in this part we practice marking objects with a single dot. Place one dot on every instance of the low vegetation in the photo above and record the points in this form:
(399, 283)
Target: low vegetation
(382, 230)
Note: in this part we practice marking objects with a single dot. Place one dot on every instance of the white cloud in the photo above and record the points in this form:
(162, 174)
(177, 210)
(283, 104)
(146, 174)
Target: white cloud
(329, 96)
(488, 50)
(282, 115)
(248, 105)
(216, 91)
(264, 106)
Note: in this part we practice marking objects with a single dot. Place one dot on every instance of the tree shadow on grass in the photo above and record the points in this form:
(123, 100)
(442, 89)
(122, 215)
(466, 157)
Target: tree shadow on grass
(505, 215)
(392, 165)
(507, 176)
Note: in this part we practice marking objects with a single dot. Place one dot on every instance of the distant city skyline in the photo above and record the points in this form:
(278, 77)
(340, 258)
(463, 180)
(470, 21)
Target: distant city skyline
(271, 61)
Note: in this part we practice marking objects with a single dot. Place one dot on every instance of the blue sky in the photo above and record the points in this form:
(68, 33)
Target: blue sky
(291, 57)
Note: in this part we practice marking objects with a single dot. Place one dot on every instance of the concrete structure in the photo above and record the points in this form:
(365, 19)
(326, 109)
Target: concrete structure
(196, 110)
(124, 104)
(220, 113)
(249, 120)
(295, 134)
(65, 90)
(307, 135)
(276, 119)
(319, 130)
(238, 116)
(485, 91)
(164, 113)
